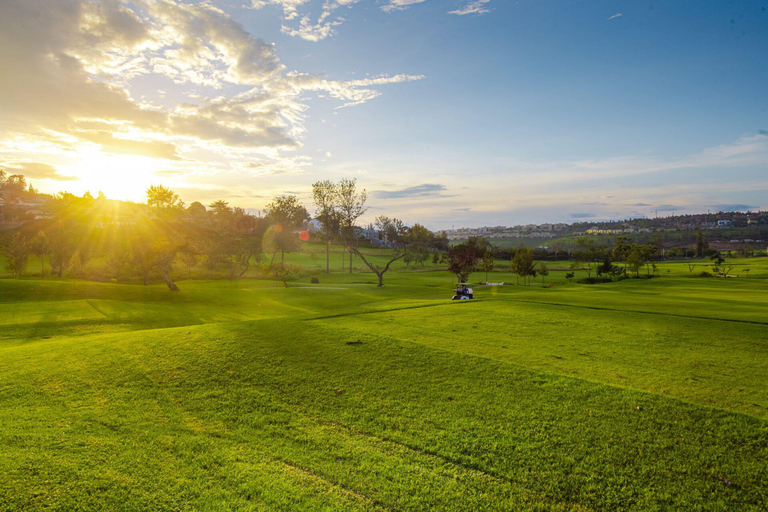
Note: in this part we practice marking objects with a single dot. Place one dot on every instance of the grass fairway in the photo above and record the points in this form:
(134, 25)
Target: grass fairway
(636, 395)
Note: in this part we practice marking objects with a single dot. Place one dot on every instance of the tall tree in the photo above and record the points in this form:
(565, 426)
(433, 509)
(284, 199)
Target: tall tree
(486, 264)
(40, 247)
(701, 244)
(351, 206)
(286, 211)
(523, 263)
(159, 196)
(462, 260)
(16, 251)
(284, 214)
(325, 195)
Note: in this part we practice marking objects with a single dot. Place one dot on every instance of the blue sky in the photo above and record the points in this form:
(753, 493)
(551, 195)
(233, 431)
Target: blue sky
(449, 112)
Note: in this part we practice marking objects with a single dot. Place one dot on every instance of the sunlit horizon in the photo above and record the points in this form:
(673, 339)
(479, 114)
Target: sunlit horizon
(458, 113)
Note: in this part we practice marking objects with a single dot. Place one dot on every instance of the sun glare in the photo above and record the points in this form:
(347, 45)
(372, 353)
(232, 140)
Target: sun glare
(125, 177)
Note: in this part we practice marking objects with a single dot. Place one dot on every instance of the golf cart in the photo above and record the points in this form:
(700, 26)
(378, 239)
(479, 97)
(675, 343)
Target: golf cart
(463, 292)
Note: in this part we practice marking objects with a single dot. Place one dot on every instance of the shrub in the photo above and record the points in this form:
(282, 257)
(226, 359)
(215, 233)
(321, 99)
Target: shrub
(594, 280)
(314, 280)
(704, 273)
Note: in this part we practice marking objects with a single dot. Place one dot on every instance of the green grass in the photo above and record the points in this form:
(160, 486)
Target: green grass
(636, 395)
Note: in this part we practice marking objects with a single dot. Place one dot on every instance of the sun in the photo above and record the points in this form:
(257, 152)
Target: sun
(124, 177)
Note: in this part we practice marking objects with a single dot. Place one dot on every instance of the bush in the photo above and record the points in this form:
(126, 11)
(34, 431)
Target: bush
(594, 280)
(704, 273)
(314, 280)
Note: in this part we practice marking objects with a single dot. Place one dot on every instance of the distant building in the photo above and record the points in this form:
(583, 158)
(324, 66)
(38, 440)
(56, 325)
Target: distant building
(314, 226)
(723, 223)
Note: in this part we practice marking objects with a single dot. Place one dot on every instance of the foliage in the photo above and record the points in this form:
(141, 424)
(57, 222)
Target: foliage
(16, 252)
(486, 264)
(281, 271)
(462, 260)
(523, 264)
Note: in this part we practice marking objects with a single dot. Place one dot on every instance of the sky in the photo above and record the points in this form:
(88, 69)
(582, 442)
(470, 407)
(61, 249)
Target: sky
(447, 112)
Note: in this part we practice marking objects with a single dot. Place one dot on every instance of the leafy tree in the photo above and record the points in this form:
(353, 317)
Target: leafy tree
(462, 260)
(325, 195)
(523, 263)
(480, 243)
(161, 197)
(75, 270)
(197, 211)
(543, 271)
(278, 239)
(61, 249)
(621, 250)
(606, 267)
(189, 257)
(486, 264)
(286, 211)
(634, 261)
(648, 252)
(16, 251)
(589, 252)
(40, 248)
(220, 209)
(701, 244)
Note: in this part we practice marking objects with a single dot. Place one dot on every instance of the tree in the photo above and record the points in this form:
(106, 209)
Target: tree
(397, 233)
(153, 247)
(40, 248)
(701, 244)
(486, 264)
(278, 239)
(480, 243)
(621, 250)
(351, 206)
(189, 257)
(286, 211)
(606, 267)
(462, 260)
(161, 197)
(543, 271)
(523, 263)
(75, 270)
(282, 271)
(16, 252)
(634, 261)
(220, 208)
(589, 252)
(325, 194)
(691, 266)
(648, 252)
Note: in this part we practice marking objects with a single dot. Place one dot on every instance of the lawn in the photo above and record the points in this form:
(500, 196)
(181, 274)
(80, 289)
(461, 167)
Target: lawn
(634, 395)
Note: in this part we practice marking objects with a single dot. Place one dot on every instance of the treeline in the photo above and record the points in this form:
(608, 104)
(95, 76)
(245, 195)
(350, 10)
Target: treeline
(624, 259)
(97, 238)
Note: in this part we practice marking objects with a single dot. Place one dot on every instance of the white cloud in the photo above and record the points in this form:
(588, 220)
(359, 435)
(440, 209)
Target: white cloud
(399, 5)
(69, 68)
(617, 15)
(327, 21)
(473, 7)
